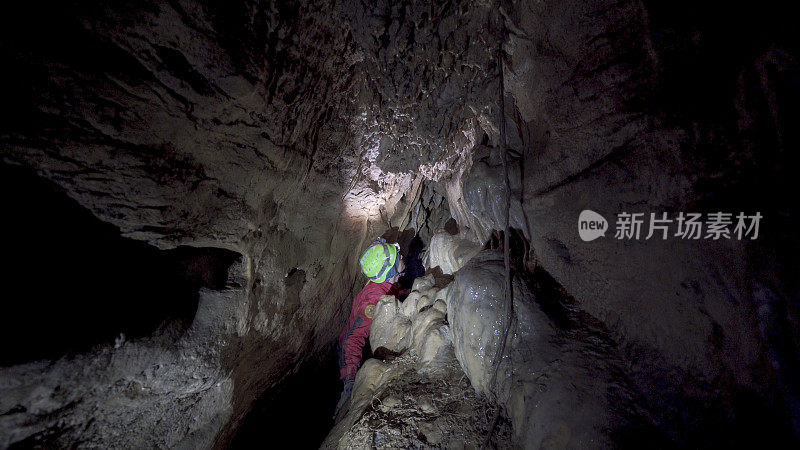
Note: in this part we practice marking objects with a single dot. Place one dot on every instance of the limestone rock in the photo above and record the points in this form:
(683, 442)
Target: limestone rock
(430, 339)
(421, 329)
(113, 391)
(390, 328)
(541, 380)
(450, 252)
(370, 376)
(414, 325)
(478, 315)
(411, 409)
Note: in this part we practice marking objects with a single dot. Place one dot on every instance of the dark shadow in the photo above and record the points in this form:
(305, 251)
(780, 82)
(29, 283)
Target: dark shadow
(411, 248)
(70, 281)
(413, 258)
(297, 413)
(451, 226)
(440, 279)
(738, 417)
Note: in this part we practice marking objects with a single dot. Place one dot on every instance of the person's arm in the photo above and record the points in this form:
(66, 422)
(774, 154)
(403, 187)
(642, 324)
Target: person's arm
(353, 346)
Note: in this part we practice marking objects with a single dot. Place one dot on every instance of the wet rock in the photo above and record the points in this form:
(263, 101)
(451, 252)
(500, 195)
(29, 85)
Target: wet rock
(409, 306)
(450, 252)
(414, 383)
(370, 376)
(423, 293)
(543, 379)
(424, 302)
(390, 328)
(293, 133)
(483, 203)
(430, 340)
(478, 315)
(423, 284)
(413, 325)
(582, 138)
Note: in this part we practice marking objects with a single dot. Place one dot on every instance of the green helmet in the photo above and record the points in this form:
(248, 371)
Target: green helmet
(378, 259)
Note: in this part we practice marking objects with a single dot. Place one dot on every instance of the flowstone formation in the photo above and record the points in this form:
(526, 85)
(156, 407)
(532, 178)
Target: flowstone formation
(552, 388)
(417, 395)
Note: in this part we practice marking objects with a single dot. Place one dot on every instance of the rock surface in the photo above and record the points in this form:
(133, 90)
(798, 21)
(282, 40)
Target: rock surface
(177, 388)
(554, 388)
(552, 385)
(449, 252)
(390, 328)
(399, 407)
(420, 399)
(589, 111)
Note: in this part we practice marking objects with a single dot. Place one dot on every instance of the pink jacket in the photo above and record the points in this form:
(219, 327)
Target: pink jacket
(356, 332)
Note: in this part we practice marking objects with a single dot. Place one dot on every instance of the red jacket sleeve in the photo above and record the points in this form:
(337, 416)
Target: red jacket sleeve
(353, 339)
(354, 345)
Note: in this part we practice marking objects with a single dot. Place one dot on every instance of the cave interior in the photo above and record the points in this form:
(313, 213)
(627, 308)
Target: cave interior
(187, 187)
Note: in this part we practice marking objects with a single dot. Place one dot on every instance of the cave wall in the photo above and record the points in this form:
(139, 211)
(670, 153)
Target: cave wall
(633, 107)
(591, 145)
(208, 125)
(169, 120)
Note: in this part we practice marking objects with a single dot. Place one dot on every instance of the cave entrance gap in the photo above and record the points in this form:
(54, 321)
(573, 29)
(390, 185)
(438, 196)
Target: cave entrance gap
(70, 281)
